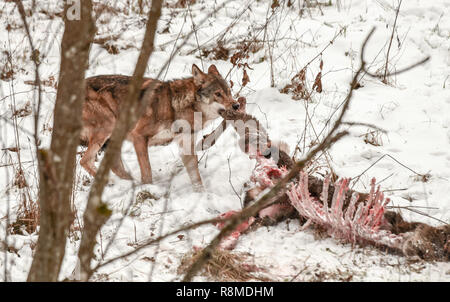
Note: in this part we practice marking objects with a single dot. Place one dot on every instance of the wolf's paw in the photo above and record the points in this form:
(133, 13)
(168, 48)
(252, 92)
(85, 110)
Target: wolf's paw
(198, 188)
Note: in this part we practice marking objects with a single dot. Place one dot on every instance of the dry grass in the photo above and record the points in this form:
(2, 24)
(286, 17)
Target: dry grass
(225, 266)
(373, 137)
(28, 217)
(298, 87)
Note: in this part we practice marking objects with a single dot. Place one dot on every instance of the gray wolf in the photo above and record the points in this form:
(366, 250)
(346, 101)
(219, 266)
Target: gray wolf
(166, 102)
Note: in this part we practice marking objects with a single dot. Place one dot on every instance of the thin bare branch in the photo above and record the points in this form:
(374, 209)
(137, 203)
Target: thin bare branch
(97, 213)
(36, 62)
(390, 43)
(57, 163)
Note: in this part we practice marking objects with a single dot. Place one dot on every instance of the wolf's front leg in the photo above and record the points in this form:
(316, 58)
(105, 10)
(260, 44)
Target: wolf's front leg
(190, 160)
(191, 164)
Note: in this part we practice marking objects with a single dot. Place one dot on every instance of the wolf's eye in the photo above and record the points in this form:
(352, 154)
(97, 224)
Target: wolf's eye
(218, 94)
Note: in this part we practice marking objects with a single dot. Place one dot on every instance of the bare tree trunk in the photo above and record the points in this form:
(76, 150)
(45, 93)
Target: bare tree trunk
(97, 212)
(56, 165)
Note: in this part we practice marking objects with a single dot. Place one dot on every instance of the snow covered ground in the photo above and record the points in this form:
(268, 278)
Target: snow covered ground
(414, 109)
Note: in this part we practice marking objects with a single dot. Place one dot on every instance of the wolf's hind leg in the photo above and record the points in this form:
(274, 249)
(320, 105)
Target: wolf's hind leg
(96, 141)
(190, 161)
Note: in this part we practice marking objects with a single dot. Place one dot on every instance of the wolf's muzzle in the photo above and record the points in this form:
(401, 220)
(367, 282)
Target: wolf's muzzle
(236, 106)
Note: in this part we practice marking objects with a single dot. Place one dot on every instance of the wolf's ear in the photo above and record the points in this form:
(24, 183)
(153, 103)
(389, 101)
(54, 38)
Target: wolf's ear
(213, 70)
(199, 76)
(242, 103)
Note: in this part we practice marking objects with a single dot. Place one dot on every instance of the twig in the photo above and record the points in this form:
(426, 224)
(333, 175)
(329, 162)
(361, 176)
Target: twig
(229, 180)
(387, 177)
(194, 29)
(420, 213)
(328, 45)
(175, 44)
(12, 164)
(302, 270)
(35, 59)
(405, 207)
(373, 164)
(390, 42)
(186, 38)
(365, 125)
(5, 264)
(424, 60)
(247, 46)
(394, 190)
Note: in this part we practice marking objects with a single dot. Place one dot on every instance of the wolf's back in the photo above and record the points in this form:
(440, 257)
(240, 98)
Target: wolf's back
(105, 81)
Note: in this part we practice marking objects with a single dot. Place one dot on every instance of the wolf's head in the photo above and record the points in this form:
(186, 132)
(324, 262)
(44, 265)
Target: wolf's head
(212, 92)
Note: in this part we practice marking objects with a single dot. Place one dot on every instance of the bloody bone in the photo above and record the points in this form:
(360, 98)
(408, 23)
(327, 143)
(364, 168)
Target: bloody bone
(230, 241)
